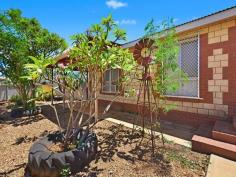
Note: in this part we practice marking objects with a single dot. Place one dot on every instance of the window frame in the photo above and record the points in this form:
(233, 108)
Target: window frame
(197, 37)
(118, 90)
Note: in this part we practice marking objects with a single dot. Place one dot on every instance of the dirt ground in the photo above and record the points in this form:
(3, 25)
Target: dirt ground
(121, 152)
(16, 138)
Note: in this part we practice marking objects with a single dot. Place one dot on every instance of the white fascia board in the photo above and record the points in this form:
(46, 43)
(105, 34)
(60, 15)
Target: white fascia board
(225, 14)
(207, 20)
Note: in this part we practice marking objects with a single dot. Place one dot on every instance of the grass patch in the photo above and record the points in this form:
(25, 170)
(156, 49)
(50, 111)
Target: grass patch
(185, 161)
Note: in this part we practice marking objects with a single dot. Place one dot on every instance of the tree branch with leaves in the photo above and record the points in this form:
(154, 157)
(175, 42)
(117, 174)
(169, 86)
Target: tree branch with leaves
(21, 37)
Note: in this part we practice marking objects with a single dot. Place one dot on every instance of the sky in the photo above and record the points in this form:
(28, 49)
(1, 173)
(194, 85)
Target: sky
(68, 17)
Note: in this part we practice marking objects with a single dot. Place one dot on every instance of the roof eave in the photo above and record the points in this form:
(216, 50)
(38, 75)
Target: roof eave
(203, 21)
(207, 20)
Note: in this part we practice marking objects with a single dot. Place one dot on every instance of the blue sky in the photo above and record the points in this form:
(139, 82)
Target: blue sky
(67, 17)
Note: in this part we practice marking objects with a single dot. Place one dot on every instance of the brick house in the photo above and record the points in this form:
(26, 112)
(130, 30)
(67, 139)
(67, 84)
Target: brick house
(207, 55)
(208, 100)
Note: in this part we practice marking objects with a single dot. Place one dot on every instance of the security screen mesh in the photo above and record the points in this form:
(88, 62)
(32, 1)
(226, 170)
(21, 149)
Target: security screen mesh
(189, 62)
(110, 81)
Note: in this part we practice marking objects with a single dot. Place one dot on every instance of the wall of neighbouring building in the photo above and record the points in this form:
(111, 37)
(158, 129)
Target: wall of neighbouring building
(217, 85)
(6, 92)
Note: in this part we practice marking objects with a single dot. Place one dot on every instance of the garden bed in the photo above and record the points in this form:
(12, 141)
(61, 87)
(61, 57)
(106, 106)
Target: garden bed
(121, 154)
(119, 151)
(16, 137)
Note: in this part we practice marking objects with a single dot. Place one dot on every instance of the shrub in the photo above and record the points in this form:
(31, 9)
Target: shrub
(17, 99)
(43, 93)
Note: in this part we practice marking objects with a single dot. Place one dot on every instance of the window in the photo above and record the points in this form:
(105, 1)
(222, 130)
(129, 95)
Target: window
(189, 63)
(110, 81)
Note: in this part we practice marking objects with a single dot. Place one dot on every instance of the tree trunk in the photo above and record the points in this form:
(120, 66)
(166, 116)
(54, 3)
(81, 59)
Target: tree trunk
(96, 100)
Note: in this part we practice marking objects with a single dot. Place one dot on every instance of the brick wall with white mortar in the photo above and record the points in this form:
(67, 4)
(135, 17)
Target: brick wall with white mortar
(216, 33)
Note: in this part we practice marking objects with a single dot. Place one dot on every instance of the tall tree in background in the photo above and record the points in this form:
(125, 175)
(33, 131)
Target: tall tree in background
(21, 37)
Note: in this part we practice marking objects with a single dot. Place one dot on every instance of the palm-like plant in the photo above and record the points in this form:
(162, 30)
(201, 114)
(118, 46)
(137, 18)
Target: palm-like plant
(93, 53)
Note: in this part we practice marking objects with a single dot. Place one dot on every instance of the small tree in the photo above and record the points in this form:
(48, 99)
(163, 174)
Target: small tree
(93, 53)
(98, 51)
(168, 75)
(21, 37)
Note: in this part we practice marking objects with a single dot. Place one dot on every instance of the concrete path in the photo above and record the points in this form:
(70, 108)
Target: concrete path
(221, 167)
(168, 137)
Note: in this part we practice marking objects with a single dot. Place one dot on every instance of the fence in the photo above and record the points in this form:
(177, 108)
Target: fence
(6, 92)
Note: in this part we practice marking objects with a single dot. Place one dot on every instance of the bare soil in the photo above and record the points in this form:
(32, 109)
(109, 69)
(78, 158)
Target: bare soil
(121, 152)
(16, 137)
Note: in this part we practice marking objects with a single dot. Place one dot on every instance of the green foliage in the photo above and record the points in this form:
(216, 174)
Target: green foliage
(37, 67)
(168, 73)
(42, 95)
(74, 79)
(130, 92)
(184, 161)
(97, 50)
(21, 37)
(17, 100)
(93, 53)
(65, 172)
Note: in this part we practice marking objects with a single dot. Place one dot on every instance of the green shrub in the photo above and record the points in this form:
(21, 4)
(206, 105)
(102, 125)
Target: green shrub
(42, 95)
(17, 99)
(65, 172)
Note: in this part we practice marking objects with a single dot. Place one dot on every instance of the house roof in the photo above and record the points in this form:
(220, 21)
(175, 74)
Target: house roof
(65, 54)
(205, 20)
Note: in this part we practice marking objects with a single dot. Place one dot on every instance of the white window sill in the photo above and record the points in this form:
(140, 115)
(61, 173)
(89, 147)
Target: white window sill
(107, 92)
(184, 97)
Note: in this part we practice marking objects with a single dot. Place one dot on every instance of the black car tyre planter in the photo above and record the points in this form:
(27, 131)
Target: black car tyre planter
(19, 112)
(44, 163)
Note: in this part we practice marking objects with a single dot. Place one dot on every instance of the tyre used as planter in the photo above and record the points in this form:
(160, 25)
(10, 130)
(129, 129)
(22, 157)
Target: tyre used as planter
(17, 112)
(44, 163)
(20, 112)
(32, 112)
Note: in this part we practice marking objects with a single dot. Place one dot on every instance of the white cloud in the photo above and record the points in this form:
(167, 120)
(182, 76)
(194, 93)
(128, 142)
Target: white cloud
(175, 20)
(126, 22)
(115, 4)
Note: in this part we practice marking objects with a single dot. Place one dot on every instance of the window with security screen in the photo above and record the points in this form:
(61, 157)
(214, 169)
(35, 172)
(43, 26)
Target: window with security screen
(110, 81)
(189, 62)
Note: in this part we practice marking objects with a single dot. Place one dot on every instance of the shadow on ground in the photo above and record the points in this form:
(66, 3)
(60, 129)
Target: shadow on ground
(19, 121)
(171, 128)
(16, 167)
(26, 139)
(111, 141)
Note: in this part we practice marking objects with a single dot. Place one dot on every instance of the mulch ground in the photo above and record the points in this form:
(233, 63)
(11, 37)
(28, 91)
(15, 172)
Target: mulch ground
(16, 137)
(121, 152)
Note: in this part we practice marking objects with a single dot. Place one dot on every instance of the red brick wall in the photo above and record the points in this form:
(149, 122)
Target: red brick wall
(195, 111)
(204, 75)
(230, 72)
(181, 117)
(205, 72)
